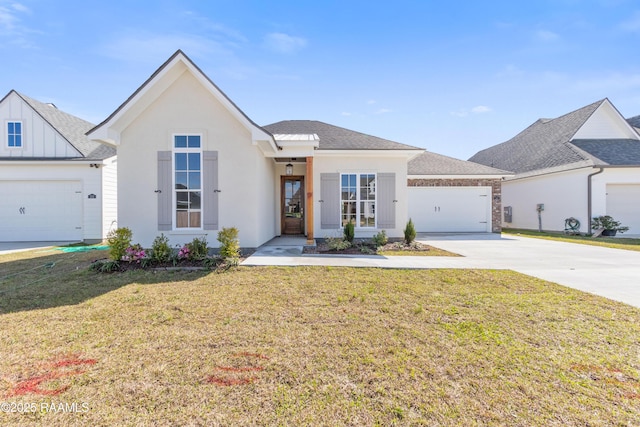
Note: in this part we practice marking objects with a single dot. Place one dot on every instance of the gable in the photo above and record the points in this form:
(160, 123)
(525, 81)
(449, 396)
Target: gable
(47, 132)
(39, 140)
(174, 69)
(605, 123)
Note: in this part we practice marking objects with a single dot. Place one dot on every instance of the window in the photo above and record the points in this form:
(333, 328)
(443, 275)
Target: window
(14, 134)
(358, 199)
(187, 166)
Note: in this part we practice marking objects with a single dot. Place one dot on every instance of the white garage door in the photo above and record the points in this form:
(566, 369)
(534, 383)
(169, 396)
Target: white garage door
(623, 204)
(40, 211)
(450, 209)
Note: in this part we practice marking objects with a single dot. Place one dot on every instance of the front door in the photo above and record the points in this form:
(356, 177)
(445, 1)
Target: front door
(292, 205)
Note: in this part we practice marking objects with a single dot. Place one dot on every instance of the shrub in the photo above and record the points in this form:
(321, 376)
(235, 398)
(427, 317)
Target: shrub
(119, 240)
(608, 223)
(198, 248)
(409, 232)
(160, 249)
(336, 244)
(229, 244)
(380, 239)
(349, 232)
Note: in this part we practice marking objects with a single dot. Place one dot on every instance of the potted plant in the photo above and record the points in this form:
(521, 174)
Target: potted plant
(609, 225)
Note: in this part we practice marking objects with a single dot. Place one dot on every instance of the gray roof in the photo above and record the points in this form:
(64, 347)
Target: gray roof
(634, 121)
(334, 137)
(614, 152)
(72, 128)
(437, 164)
(545, 144)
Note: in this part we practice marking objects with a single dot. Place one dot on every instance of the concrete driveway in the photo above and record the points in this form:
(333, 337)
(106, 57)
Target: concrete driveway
(11, 247)
(612, 273)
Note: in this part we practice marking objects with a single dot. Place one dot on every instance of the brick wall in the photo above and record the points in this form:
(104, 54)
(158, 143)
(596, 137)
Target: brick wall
(496, 191)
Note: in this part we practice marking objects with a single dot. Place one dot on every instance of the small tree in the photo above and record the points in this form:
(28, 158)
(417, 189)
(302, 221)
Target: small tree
(349, 231)
(119, 240)
(229, 244)
(409, 232)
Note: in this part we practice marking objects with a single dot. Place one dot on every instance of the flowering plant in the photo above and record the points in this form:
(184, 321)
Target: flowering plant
(134, 253)
(184, 252)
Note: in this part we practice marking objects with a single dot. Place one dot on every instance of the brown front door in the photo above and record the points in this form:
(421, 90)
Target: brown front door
(292, 205)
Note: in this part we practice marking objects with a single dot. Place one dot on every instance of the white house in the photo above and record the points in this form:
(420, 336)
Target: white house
(55, 184)
(583, 164)
(190, 162)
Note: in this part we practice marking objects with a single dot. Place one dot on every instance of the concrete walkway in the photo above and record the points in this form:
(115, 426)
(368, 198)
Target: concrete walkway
(612, 273)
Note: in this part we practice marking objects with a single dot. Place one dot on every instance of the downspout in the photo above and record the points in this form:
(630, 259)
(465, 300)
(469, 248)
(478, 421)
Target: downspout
(589, 197)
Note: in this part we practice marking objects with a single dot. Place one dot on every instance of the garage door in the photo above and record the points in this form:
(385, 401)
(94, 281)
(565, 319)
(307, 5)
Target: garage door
(623, 204)
(450, 209)
(40, 211)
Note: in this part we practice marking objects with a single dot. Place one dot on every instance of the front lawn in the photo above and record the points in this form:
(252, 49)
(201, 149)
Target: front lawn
(630, 244)
(309, 346)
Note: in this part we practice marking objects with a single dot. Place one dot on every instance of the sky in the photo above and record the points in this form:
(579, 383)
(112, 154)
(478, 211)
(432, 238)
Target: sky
(453, 77)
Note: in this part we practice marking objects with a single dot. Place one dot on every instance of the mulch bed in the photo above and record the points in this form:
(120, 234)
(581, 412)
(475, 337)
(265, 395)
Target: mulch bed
(369, 248)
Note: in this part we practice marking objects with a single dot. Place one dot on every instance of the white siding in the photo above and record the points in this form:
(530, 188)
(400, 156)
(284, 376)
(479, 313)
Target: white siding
(563, 194)
(109, 195)
(605, 123)
(39, 139)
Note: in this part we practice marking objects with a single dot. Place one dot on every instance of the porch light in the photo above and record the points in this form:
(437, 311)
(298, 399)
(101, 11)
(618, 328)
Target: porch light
(289, 169)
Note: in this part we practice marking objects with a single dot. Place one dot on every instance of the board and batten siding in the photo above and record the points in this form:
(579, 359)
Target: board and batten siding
(109, 195)
(39, 138)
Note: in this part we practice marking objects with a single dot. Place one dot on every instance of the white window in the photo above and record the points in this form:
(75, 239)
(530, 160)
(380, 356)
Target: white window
(358, 199)
(187, 181)
(14, 134)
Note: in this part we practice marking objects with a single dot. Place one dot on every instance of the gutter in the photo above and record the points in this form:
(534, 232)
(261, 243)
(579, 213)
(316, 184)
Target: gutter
(589, 210)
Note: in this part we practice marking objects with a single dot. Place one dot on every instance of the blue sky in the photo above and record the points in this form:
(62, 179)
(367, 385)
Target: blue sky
(452, 77)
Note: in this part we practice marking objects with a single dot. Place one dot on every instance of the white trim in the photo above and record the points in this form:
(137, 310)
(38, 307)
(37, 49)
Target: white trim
(185, 150)
(6, 134)
(358, 200)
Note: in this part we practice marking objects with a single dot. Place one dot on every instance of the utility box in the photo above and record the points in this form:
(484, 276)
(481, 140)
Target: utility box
(508, 215)
(540, 207)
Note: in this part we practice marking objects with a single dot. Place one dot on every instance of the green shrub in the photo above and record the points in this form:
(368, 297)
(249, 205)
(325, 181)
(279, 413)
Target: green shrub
(608, 223)
(409, 232)
(349, 232)
(380, 239)
(198, 248)
(119, 240)
(160, 249)
(229, 244)
(336, 244)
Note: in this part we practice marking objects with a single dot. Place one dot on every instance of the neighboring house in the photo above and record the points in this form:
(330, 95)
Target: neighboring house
(55, 183)
(583, 164)
(190, 162)
(451, 195)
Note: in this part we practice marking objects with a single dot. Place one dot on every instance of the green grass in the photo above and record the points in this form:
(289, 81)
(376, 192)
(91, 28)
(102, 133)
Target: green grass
(313, 346)
(607, 242)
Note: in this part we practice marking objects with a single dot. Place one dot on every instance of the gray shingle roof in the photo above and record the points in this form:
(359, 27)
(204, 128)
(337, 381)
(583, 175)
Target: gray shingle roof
(334, 137)
(615, 152)
(544, 144)
(634, 121)
(72, 128)
(437, 164)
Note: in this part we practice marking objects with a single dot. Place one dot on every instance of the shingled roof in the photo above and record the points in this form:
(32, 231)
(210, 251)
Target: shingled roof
(334, 137)
(72, 128)
(436, 164)
(547, 144)
(634, 121)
